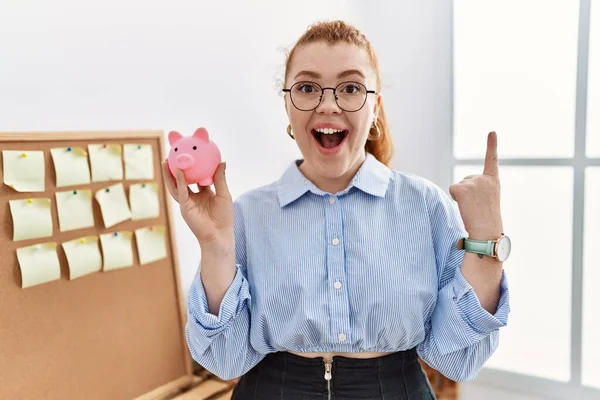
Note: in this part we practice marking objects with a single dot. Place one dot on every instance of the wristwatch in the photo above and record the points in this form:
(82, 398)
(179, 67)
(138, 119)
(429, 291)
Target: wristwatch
(498, 248)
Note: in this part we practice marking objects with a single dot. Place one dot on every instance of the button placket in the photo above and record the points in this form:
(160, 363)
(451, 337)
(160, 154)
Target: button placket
(339, 307)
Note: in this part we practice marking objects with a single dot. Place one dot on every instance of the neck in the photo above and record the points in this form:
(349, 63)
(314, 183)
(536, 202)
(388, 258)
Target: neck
(328, 184)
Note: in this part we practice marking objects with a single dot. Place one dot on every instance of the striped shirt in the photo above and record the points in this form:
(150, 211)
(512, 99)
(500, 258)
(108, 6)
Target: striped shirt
(371, 268)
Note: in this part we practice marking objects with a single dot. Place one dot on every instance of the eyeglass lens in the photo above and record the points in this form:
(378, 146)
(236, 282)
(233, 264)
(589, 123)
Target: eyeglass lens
(350, 96)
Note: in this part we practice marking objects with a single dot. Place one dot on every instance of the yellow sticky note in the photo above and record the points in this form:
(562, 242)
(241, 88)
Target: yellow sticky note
(24, 171)
(113, 204)
(32, 218)
(151, 243)
(143, 198)
(117, 250)
(139, 161)
(83, 256)
(107, 162)
(74, 209)
(38, 263)
(71, 166)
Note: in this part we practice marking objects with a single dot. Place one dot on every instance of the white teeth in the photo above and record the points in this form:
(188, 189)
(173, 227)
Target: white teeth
(328, 131)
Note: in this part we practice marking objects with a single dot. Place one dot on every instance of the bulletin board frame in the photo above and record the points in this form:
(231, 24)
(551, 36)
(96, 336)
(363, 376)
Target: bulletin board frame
(117, 334)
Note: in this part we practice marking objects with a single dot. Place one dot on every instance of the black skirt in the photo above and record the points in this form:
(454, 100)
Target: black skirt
(283, 375)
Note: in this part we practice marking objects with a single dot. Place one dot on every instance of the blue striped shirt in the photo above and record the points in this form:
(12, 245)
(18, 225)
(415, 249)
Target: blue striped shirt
(371, 268)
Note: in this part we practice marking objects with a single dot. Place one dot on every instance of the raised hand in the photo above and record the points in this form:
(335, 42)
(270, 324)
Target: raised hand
(208, 213)
(478, 197)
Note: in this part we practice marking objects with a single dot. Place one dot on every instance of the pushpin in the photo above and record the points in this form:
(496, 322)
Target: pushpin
(107, 190)
(116, 234)
(139, 146)
(69, 148)
(74, 191)
(81, 240)
(23, 155)
(104, 146)
(29, 201)
(143, 185)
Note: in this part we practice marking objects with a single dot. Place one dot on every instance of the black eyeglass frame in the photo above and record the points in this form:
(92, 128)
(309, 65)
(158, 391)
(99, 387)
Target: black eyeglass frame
(334, 90)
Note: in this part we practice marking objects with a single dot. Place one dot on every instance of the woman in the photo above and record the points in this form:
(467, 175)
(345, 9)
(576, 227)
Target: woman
(330, 282)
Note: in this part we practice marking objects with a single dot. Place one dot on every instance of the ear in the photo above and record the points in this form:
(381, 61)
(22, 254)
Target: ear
(174, 137)
(202, 134)
(376, 107)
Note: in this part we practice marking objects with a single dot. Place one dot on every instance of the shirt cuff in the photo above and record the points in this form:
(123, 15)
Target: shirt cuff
(473, 313)
(232, 304)
(459, 321)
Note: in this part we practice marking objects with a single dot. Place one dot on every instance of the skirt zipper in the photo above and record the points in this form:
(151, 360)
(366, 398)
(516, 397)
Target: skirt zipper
(328, 377)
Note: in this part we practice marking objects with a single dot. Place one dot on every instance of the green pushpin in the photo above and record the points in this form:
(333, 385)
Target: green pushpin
(107, 190)
(74, 191)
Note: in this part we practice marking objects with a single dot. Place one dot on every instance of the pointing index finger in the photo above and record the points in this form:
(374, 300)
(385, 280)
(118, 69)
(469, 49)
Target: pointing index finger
(491, 155)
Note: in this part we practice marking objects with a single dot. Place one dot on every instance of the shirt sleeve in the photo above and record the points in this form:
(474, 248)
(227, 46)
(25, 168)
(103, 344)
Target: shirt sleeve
(460, 335)
(221, 343)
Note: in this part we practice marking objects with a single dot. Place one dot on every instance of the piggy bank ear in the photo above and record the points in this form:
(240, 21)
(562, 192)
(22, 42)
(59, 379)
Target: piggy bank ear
(201, 134)
(174, 137)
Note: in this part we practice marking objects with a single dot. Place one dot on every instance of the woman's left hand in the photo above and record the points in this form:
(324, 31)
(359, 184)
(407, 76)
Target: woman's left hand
(478, 197)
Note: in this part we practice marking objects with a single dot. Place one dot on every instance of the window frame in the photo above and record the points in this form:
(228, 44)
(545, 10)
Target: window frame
(580, 162)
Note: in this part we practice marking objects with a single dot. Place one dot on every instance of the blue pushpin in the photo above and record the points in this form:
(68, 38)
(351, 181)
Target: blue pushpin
(69, 148)
(116, 234)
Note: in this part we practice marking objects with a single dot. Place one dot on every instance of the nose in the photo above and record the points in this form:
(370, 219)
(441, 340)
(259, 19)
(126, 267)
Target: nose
(328, 103)
(184, 161)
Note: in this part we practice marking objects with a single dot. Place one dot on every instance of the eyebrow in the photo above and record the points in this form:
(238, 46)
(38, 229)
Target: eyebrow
(316, 75)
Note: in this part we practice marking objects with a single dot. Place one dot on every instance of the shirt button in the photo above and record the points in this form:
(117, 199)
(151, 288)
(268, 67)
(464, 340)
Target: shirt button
(331, 200)
(342, 337)
(337, 285)
(335, 241)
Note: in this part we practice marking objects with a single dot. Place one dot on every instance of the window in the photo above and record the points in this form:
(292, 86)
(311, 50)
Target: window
(593, 102)
(529, 84)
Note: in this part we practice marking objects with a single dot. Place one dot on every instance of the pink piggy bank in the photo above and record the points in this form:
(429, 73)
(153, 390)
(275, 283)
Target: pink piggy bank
(197, 156)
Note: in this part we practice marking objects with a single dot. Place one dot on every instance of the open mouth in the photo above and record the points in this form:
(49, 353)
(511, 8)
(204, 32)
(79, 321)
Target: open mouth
(329, 138)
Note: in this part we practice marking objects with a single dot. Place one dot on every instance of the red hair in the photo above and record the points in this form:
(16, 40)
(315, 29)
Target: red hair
(333, 32)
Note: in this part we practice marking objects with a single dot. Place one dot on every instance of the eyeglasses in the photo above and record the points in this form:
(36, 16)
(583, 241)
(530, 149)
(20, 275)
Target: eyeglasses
(349, 96)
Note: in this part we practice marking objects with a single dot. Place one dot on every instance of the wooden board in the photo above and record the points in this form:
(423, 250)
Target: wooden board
(108, 335)
(208, 389)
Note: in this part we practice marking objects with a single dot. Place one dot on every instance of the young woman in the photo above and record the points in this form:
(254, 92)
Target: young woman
(330, 282)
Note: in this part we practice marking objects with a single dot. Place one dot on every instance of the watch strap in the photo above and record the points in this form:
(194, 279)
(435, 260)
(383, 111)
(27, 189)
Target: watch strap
(485, 247)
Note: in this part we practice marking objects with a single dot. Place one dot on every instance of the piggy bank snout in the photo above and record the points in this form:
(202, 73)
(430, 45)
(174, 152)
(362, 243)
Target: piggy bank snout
(184, 161)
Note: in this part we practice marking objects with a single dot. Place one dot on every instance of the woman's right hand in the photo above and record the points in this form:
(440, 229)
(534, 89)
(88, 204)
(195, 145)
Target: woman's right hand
(208, 214)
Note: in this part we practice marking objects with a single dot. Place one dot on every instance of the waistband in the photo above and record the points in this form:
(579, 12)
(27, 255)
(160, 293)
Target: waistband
(284, 357)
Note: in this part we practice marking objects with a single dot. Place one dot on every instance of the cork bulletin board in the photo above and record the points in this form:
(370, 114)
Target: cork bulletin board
(90, 302)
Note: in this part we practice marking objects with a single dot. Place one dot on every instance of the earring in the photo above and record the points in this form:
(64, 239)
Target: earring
(377, 134)
(289, 131)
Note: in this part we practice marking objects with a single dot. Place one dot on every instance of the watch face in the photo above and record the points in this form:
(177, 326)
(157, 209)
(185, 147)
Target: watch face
(504, 248)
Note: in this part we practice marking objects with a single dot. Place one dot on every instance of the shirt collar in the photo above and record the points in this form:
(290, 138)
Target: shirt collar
(372, 177)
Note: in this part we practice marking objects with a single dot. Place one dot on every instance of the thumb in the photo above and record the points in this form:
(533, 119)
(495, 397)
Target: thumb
(220, 182)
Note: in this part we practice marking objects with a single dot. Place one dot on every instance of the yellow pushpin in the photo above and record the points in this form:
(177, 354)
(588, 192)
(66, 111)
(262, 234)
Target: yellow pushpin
(81, 240)
(23, 155)
(29, 201)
